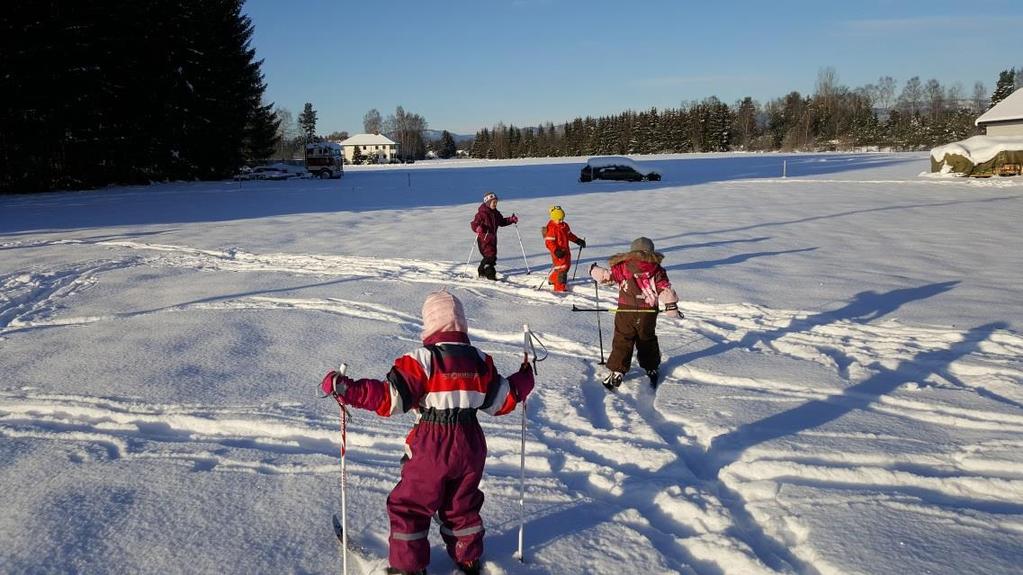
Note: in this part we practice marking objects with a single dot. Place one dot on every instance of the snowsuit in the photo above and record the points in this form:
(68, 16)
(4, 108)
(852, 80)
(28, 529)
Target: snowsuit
(485, 225)
(446, 381)
(642, 282)
(556, 236)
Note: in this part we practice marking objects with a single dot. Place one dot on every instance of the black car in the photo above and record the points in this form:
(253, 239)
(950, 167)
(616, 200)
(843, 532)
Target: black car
(616, 168)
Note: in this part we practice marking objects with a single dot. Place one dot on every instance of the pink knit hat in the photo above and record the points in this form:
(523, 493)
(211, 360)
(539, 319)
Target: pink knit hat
(443, 312)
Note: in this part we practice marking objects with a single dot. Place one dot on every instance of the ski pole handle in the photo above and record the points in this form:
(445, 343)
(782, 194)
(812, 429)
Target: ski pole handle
(342, 370)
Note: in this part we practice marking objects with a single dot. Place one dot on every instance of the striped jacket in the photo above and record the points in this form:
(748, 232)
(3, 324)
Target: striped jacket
(443, 378)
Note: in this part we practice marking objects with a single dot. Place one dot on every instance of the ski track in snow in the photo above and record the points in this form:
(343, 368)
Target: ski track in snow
(622, 459)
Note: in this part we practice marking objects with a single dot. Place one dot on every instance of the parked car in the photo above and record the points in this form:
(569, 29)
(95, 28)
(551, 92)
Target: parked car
(270, 173)
(616, 168)
(245, 173)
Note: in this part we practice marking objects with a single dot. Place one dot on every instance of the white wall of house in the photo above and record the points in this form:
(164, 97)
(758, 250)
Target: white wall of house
(1005, 129)
(370, 145)
(384, 151)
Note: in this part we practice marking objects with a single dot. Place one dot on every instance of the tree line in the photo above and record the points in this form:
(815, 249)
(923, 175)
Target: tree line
(106, 91)
(877, 116)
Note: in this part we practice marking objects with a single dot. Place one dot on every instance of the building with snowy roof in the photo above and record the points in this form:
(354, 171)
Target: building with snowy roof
(1004, 118)
(999, 152)
(369, 145)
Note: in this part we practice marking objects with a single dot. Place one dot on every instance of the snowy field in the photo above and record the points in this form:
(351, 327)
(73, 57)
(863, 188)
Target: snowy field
(844, 396)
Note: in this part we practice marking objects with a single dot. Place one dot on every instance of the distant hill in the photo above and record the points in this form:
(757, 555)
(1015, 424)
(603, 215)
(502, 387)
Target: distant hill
(435, 135)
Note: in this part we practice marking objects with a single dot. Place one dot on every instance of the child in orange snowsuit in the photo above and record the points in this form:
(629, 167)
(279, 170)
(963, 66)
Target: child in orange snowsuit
(557, 234)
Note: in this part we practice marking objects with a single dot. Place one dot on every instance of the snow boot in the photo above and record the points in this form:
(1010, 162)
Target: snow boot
(653, 375)
(612, 381)
(470, 568)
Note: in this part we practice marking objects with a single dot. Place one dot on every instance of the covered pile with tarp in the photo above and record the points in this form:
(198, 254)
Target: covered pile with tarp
(980, 156)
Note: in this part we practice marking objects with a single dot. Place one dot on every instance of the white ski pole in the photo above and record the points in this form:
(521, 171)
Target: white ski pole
(522, 248)
(472, 248)
(344, 481)
(522, 454)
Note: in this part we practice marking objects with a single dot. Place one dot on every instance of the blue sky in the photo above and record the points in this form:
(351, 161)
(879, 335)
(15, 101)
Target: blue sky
(464, 65)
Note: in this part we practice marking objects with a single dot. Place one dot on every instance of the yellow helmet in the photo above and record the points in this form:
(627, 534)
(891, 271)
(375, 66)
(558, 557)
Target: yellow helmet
(557, 214)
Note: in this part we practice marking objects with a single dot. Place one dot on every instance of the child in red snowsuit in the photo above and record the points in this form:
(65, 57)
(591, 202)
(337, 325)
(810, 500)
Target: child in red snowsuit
(642, 283)
(447, 381)
(556, 235)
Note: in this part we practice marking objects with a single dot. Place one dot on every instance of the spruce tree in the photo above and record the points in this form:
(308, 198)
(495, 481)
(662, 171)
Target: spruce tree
(307, 122)
(448, 148)
(1005, 86)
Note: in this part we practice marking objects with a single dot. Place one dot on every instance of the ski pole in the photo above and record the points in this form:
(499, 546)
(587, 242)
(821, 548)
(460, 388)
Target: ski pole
(578, 255)
(545, 279)
(522, 453)
(613, 309)
(600, 332)
(344, 480)
(472, 248)
(521, 248)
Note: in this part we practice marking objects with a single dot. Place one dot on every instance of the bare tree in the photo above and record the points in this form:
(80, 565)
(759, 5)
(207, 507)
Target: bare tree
(954, 97)
(371, 122)
(912, 96)
(886, 92)
(407, 130)
(979, 97)
(824, 100)
(935, 97)
(288, 134)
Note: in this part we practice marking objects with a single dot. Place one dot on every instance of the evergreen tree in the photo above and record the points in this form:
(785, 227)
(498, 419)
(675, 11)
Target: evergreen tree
(106, 92)
(1005, 86)
(307, 122)
(481, 144)
(745, 126)
(357, 157)
(261, 138)
(448, 148)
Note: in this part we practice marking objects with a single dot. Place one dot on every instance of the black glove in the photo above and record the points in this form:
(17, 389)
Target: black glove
(581, 242)
(559, 252)
(672, 310)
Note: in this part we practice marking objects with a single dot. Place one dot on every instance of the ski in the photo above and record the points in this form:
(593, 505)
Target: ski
(368, 562)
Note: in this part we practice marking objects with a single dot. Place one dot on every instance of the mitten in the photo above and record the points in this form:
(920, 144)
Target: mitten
(559, 252)
(600, 274)
(513, 219)
(522, 382)
(581, 242)
(334, 383)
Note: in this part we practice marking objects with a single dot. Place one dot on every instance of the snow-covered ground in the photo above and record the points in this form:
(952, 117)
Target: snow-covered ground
(845, 394)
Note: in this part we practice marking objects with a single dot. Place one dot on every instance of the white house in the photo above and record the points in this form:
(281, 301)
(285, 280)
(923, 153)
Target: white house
(382, 147)
(1005, 118)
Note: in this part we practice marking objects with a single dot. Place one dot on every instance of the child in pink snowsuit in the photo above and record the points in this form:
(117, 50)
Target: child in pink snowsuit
(447, 381)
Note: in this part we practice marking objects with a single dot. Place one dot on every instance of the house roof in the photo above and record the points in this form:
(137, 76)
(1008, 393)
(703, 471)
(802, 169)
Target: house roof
(368, 140)
(1011, 108)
